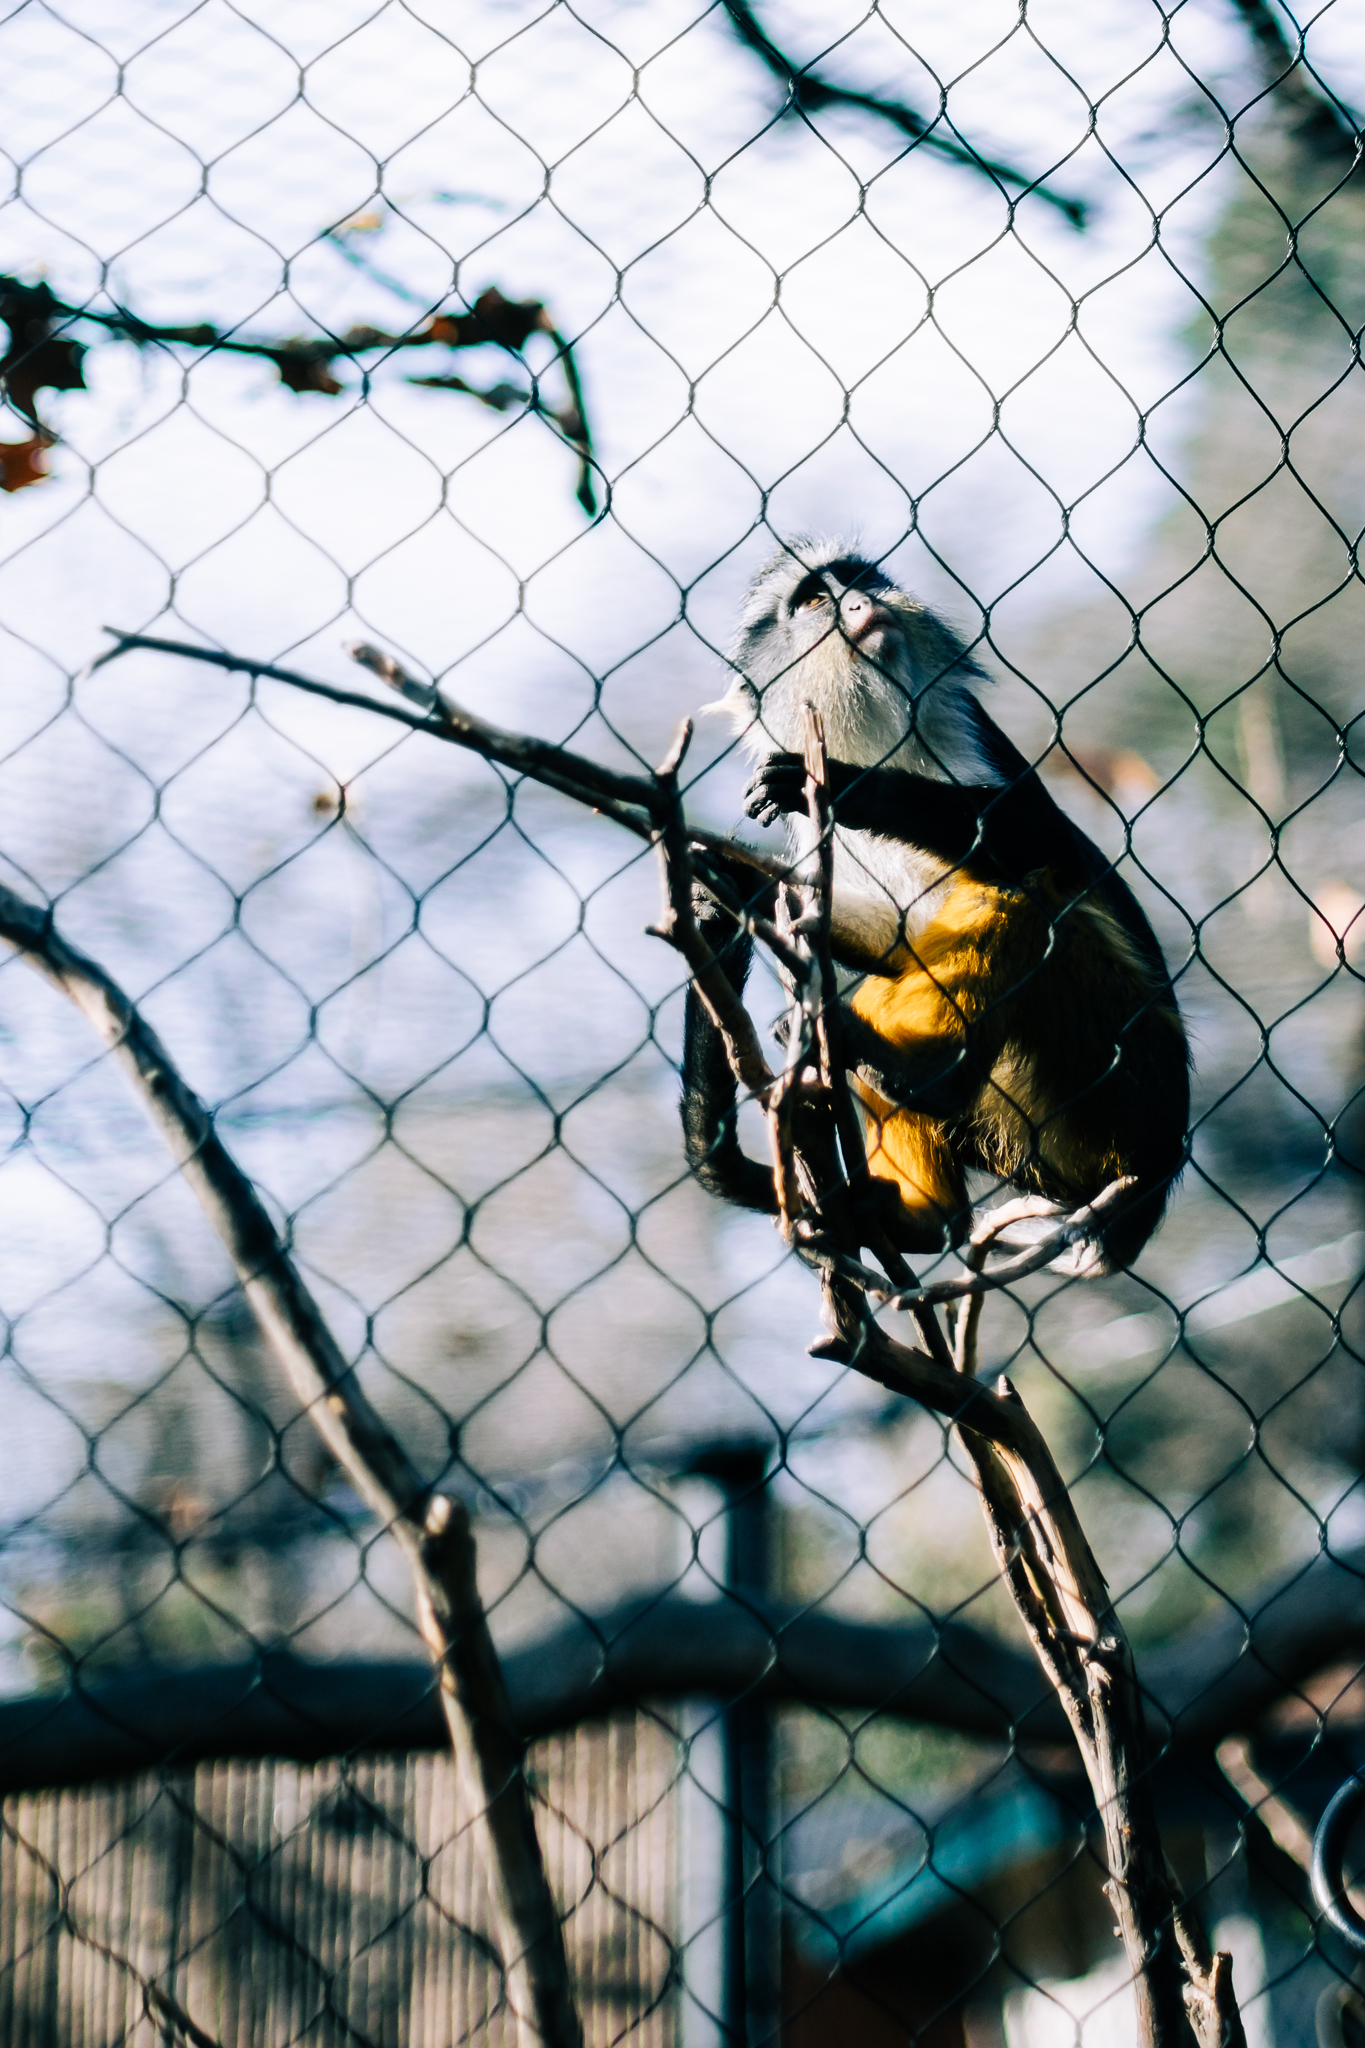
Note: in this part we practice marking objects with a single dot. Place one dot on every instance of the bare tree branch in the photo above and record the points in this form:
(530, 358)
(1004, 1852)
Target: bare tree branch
(629, 800)
(808, 95)
(1033, 1526)
(828, 1024)
(42, 356)
(432, 1528)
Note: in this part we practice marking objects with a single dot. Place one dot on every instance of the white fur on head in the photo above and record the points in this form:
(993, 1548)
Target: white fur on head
(911, 706)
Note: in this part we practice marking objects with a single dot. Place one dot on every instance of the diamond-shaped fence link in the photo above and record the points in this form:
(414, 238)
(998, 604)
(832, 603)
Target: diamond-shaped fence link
(512, 340)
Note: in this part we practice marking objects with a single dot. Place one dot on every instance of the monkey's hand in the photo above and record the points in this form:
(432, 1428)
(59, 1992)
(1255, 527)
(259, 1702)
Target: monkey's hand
(779, 786)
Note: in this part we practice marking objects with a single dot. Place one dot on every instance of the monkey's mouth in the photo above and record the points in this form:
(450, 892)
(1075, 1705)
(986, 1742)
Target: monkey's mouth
(873, 635)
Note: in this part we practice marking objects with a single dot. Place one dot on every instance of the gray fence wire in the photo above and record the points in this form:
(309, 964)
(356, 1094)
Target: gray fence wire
(512, 340)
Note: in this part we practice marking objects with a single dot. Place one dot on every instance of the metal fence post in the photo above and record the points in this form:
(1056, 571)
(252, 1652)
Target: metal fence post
(751, 1972)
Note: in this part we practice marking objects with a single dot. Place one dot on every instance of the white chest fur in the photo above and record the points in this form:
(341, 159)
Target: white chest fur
(884, 886)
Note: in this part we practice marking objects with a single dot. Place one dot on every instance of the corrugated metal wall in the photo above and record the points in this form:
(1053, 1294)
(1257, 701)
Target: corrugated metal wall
(331, 1903)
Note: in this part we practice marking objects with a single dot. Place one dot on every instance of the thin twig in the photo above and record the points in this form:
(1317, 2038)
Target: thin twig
(815, 989)
(797, 1189)
(1035, 1532)
(833, 1065)
(432, 1528)
(1321, 120)
(810, 95)
(847, 1123)
(629, 800)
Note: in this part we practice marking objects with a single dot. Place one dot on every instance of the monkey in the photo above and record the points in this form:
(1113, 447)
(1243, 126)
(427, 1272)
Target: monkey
(1008, 1008)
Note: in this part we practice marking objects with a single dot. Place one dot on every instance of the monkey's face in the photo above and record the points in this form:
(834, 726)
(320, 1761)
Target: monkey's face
(848, 602)
(841, 607)
(822, 626)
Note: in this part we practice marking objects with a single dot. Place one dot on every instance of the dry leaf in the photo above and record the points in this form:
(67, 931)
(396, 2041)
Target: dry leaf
(36, 358)
(53, 364)
(306, 366)
(21, 462)
(509, 322)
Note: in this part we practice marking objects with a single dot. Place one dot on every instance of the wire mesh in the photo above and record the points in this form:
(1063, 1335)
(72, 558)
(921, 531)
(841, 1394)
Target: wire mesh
(514, 339)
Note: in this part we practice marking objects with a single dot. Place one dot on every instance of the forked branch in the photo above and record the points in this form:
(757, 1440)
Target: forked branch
(433, 1528)
(633, 801)
(1038, 1541)
(820, 1171)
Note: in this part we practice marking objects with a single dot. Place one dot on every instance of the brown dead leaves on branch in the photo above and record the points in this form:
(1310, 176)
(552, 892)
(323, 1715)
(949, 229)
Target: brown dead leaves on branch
(42, 355)
(37, 358)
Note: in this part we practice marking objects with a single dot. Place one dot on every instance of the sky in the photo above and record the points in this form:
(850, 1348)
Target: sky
(773, 323)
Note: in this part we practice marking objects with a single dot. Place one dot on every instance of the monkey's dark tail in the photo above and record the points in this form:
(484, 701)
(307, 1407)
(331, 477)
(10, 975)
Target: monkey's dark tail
(1329, 1862)
(717, 1159)
(708, 1095)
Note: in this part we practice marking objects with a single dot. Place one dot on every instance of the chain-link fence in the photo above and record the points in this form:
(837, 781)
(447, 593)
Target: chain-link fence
(513, 341)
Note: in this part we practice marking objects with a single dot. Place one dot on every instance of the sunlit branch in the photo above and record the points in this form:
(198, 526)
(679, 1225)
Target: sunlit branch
(1040, 1546)
(432, 1528)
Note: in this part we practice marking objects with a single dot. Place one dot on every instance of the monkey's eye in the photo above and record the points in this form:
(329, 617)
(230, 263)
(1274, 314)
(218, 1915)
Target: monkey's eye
(808, 596)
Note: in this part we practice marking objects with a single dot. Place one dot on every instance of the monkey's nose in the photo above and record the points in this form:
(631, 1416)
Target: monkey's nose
(860, 615)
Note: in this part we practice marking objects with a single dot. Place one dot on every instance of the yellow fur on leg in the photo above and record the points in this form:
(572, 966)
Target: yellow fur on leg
(911, 1153)
(933, 999)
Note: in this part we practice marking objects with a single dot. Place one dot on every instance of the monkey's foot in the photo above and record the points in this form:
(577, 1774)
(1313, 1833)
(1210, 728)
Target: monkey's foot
(1032, 1221)
(1023, 1221)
